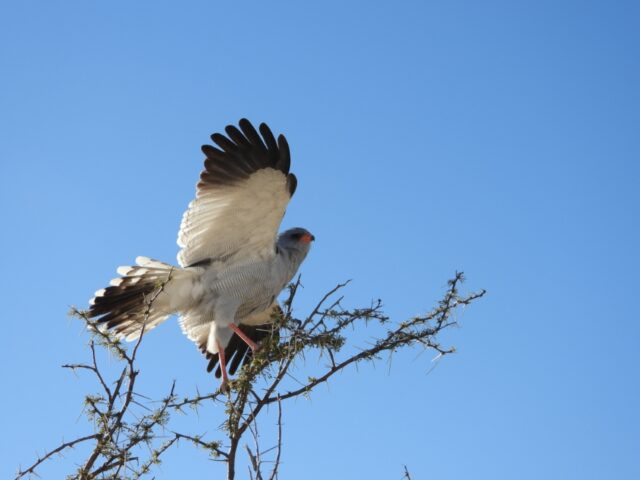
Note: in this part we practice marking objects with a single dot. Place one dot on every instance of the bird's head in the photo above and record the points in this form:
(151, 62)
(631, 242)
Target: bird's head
(297, 239)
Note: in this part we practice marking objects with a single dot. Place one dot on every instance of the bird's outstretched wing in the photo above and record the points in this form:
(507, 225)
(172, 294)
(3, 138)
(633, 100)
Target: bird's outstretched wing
(240, 199)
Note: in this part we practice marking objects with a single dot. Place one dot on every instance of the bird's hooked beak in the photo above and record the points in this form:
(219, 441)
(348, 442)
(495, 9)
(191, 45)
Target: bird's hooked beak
(307, 238)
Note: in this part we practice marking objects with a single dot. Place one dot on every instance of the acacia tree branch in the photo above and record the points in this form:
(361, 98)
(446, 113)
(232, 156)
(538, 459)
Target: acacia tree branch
(197, 440)
(32, 469)
(276, 465)
(314, 332)
(400, 337)
(113, 421)
(406, 475)
(120, 434)
(115, 437)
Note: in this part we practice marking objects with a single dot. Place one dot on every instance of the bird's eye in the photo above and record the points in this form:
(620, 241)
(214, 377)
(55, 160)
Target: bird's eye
(296, 236)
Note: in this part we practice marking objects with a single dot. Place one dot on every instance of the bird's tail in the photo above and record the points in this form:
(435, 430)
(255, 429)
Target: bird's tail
(141, 297)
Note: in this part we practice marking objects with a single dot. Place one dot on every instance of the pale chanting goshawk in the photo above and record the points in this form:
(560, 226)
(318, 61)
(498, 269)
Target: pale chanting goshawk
(233, 263)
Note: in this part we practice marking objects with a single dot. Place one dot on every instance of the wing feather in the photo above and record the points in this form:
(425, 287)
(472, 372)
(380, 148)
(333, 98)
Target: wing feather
(241, 197)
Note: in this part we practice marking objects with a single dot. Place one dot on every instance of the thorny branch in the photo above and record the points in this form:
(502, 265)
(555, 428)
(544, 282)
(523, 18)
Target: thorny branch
(406, 475)
(267, 379)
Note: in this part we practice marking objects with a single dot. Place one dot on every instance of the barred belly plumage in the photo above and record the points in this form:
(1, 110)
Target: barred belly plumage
(254, 285)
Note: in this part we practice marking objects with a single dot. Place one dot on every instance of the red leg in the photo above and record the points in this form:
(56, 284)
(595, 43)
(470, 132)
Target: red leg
(252, 345)
(223, 367)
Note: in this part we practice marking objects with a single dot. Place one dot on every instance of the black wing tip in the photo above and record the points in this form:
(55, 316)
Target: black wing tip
(292, 184)
(248, 130)
(265, 131)
(210, 151)
(244, 122)
(243, 151)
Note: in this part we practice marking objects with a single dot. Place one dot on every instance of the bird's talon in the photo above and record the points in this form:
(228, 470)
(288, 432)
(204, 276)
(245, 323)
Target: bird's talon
(224, 386)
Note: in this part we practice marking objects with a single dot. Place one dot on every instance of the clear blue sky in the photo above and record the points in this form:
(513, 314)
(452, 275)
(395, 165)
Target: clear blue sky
(499, 138)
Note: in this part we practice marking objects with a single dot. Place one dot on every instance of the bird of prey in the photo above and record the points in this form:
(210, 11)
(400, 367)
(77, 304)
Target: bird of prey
(233, 263)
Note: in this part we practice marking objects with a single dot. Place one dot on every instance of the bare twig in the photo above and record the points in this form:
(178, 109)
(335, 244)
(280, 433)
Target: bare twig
(60, 448)
(406, 475)
(276, 465)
